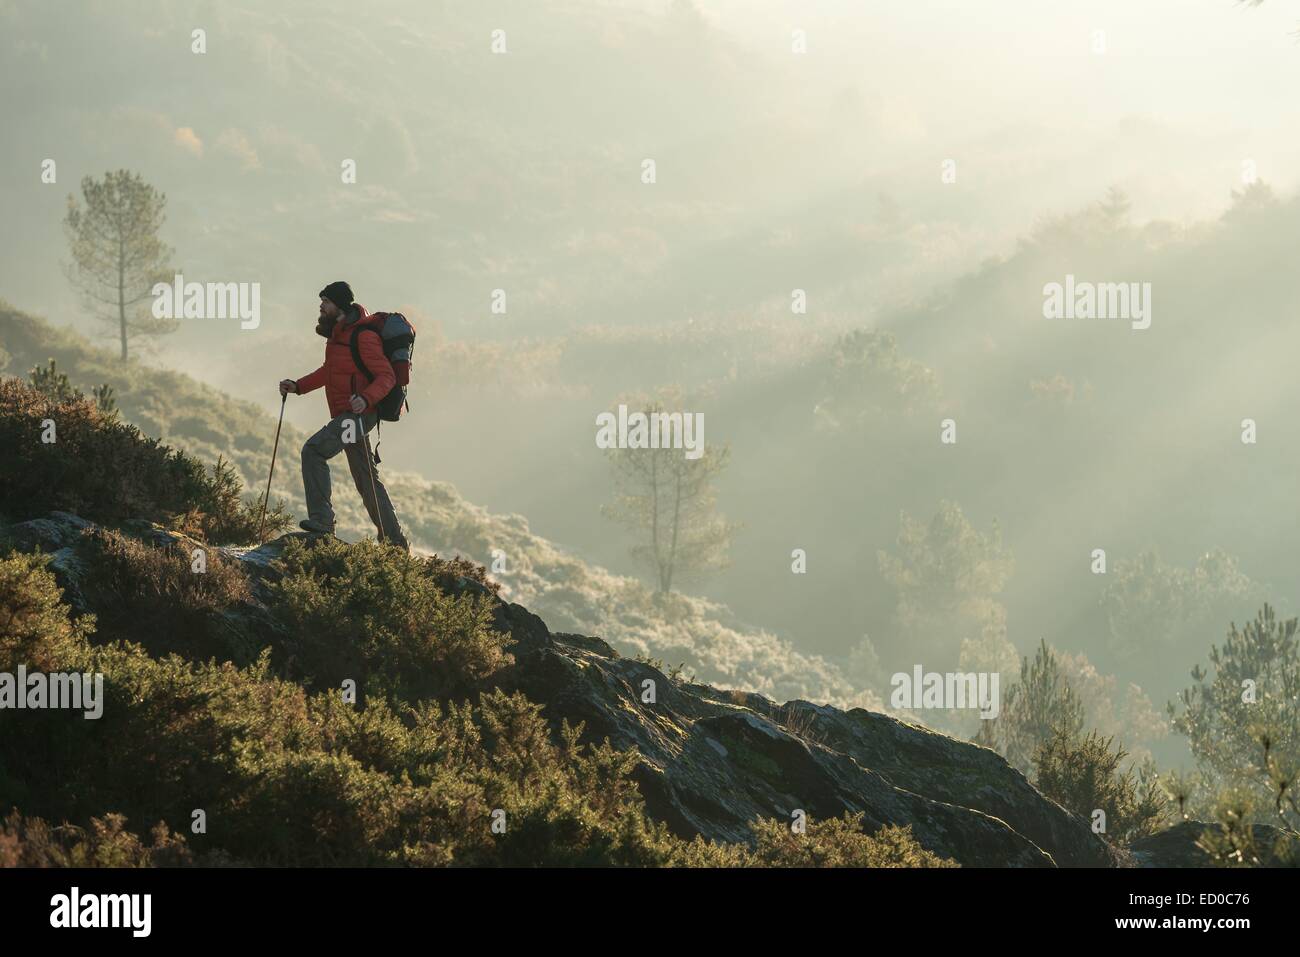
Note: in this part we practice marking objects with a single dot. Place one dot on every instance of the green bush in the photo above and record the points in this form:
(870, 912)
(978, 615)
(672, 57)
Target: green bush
(836, 842)
(31, 842)
(870, 381)
(374, 614)
(53, 384)
(1232, 840)
(840, 842)
(1036, 708)
(288, 778)
(220, 513)
(450, 574)
(106, 471)
(152, 595)
(1230, 732)
(285, 777)
(1085, 774)
(149, 396)
(34, 624)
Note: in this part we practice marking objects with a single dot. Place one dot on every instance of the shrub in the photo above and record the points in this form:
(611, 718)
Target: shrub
(57, 387)
(107, 471)
(840, 842)
(53, 384)
(97, 468)
(1262, 793)
(31, 842)
(152, 595)
(1035, 708)
(450, 574)
(375, 614)
(294, 779)
(565, 803)
(34, 623)
(105, 401)
(220, 514)
(1084, 775)
(870, 381)
(1233, 841)
(1226, 730)
(836, 842)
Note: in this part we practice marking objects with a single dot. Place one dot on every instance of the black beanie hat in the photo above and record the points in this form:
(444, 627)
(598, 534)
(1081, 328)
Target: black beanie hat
(339, 293)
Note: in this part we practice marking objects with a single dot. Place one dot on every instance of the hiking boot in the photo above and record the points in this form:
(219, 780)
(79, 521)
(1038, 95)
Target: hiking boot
(316, 528)
(395, 543)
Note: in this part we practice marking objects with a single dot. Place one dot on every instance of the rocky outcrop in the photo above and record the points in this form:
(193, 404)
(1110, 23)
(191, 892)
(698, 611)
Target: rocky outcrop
(1178, 846)
(714, 760)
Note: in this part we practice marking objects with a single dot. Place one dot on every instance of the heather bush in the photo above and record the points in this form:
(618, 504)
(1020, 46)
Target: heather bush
(450, 574)
(417, 772)
(375, 614)
(221, 514)
(290, 778)
(107, 471)
(35, 627)
(32, 842)
(835, 842)
(151, 594)
(840, 842)
(1086, 774)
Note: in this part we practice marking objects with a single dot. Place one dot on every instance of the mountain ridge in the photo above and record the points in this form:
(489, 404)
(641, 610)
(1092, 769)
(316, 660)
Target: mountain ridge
(577, 595)
(708, 762)
(711, 761)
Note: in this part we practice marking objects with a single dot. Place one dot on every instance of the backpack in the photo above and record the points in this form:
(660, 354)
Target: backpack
(398, 337)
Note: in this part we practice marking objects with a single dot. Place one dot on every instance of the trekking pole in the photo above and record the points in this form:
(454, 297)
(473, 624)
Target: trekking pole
(370, 467)
(261, 522)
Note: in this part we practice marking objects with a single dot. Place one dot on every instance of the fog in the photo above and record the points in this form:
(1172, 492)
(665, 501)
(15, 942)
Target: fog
(1151, 142)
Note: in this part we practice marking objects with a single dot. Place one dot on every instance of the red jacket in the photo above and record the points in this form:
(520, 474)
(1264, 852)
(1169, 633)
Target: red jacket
(340, 375)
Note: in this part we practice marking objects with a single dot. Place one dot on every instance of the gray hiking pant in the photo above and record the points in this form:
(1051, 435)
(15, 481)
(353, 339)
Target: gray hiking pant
(326, 444)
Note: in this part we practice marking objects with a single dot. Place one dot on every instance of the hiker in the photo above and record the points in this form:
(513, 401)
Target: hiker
(341, 375)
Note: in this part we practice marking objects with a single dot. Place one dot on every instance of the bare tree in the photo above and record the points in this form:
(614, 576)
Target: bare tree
(116, 253)
(669, 500)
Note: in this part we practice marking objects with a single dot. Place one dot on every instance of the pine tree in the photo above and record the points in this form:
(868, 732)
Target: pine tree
(53, 384)
(669, 500)
(117, 256)
(1035, 709)
(1242, 722)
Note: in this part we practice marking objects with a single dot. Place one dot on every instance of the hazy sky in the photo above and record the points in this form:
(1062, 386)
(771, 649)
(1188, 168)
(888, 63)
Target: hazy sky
(1037, 122)
(521, 172)
(1175, 73)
